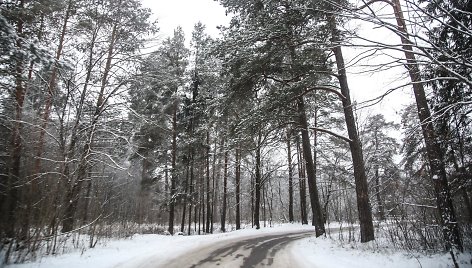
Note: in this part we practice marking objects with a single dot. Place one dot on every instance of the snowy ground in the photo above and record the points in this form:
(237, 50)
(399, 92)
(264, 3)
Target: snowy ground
(324, 253)
(311, 252)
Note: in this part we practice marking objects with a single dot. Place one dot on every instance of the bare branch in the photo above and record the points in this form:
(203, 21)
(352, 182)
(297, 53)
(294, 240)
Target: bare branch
(332, 134)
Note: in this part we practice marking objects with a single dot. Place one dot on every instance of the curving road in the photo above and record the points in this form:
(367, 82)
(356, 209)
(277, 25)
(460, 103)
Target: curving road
(260, 251)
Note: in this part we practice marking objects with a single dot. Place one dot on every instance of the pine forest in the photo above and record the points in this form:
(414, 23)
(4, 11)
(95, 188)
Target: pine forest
(110, 129)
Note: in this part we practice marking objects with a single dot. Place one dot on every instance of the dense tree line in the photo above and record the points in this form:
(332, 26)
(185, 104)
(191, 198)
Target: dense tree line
(102, 136)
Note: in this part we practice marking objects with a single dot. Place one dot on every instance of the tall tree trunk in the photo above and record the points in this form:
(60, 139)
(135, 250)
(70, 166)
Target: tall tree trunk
(186, 199)
(270, 202)
(257, 183)
(435, 157)
(202, 200)
(362, 193)
(216, 174)
(301, 183)
(173, 177)
(191, 191)
(318, 220)
(238, 188)
(225, 193)
(208, 189)
(315, 155)
(264, 204)
(290, 177)
(252, 200)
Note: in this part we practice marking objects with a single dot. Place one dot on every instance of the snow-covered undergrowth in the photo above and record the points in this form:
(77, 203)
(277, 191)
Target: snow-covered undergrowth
(343, 249)
(43, 243)
(339, 249)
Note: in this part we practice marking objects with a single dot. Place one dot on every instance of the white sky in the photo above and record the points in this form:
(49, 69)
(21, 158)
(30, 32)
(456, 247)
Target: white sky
(186, 13)
(365, 83)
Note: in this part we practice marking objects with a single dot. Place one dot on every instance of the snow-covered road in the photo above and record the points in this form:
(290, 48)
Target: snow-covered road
(256, 251)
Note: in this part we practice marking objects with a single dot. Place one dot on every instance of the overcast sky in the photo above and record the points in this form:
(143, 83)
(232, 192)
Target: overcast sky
(186, 13)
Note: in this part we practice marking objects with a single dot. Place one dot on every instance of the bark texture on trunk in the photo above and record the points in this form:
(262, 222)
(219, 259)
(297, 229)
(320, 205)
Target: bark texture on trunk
(301, 183)
(433, 150)
(318, 220)
(362, 193)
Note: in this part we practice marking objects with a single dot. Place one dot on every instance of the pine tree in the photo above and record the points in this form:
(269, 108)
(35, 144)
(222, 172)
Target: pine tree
(173, 55)
(124, 34)
(380, 151)
(273, 40)
(450, 57)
